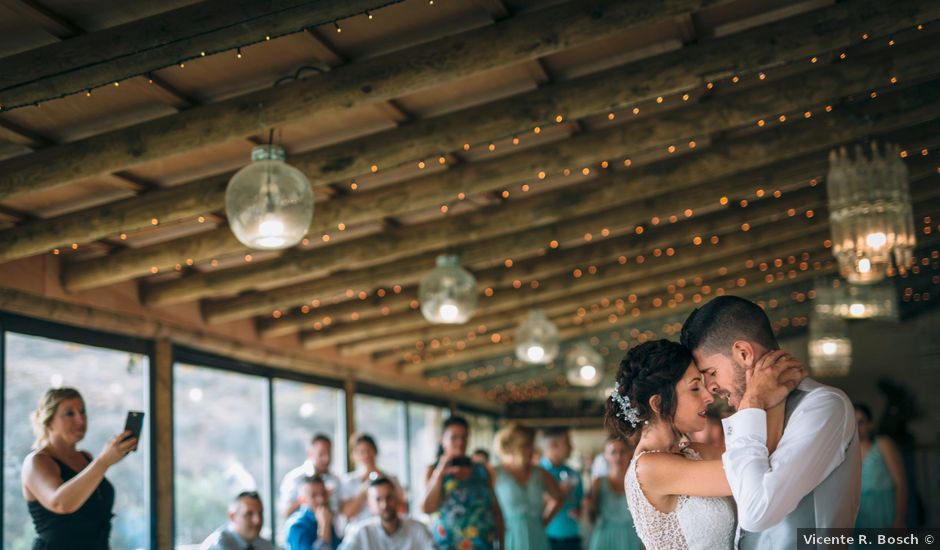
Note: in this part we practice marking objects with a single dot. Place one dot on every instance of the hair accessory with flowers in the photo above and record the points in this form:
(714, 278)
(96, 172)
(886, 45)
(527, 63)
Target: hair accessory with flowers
(627, 411)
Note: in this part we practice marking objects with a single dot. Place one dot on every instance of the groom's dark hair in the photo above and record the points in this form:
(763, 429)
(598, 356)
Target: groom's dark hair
(715, 326)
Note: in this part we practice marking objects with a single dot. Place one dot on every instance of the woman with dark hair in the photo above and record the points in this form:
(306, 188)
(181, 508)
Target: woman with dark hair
(677, 492)
(460, 495)
(68, 496)
(884, 483)
(354, 487)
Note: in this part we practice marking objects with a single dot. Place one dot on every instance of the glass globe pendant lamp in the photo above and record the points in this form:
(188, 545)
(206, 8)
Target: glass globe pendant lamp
(269, 203)
(537, 339)
(842, 299)
(830, 348)
(448, 294)
(870, 213)
(584, 365)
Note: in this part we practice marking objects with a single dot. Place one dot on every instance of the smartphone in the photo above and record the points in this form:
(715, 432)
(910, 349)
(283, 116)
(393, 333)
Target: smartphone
(461, 461)
(134, 424)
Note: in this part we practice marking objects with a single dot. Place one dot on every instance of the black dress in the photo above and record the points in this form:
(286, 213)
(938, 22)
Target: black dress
(88, 528)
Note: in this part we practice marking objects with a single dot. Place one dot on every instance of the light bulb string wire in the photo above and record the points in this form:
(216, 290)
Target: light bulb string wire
(164, 44)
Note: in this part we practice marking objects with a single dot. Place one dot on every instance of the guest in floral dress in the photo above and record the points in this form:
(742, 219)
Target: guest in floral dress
(460, 496)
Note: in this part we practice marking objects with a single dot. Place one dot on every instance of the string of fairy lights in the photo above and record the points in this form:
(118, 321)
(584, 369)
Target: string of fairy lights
(196, 54)
(515, 139)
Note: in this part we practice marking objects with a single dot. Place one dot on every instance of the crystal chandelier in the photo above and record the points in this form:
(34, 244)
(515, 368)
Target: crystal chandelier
(584, 365)
(870, 213)
(448, 294)
(830, 348)
(269, 203)
(537, 339)
(841, 299)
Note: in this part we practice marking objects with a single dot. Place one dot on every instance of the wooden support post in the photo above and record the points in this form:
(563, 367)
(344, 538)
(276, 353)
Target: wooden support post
(161, 410)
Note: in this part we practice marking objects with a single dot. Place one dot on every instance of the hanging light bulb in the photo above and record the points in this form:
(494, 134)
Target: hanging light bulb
(870, 213)
(269, 203)
(584, 365)
(842, 299)
(830, 348)
(537, 339)
(448, 294)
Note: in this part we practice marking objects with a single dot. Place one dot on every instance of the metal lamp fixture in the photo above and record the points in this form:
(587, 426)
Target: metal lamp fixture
(448, 294)
(584, 365)
(269, 203)
(537, 339)
(830, 348)
(841, 299)
(870, 213)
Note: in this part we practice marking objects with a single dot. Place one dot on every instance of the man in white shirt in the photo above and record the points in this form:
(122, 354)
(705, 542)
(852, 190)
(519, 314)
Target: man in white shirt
(243, 531)
(386, 531)
(813, 477)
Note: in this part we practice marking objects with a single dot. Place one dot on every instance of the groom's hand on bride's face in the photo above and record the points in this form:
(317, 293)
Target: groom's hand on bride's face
(771, 379)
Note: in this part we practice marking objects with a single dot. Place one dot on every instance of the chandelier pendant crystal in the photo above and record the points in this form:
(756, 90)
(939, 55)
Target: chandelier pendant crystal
(537, 339)
(448, 294)
(584, 365)
(830, 348)
(870, 213)
(269, 203)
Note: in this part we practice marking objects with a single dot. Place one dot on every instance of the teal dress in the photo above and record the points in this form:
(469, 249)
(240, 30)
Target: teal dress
(522, 510)
(877, 504)
(614, 529)
(465, 519)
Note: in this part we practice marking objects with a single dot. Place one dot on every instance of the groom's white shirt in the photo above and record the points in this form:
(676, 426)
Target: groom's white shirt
(818, 449)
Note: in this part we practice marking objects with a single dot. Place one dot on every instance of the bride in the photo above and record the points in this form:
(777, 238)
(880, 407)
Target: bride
(677, 492)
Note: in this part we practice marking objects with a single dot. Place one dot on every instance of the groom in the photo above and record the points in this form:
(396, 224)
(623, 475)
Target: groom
(813, 477)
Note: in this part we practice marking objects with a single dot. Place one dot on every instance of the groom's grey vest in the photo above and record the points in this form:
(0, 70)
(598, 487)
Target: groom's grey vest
(830, 504)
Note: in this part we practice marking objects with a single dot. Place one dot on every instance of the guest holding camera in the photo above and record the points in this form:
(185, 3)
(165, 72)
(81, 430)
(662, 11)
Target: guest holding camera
(354, 486)
(460, 495)
(67, 494)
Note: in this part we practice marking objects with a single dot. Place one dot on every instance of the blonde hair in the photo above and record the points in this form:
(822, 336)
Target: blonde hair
(48, 405)
(511, 439)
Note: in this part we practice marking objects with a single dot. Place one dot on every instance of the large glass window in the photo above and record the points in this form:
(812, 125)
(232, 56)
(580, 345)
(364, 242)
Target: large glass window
(384, 420)
(300, 412)
(482, 432)
(220, 440)
(424, 435)
(111, 382)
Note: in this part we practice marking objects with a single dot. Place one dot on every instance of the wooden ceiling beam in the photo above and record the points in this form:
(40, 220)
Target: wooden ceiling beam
(368, 81)
(547, 208)
(50, 21)
(137, 47)
(823, 84)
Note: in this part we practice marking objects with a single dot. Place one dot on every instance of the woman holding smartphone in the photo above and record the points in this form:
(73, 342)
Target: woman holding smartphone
(67, 494)
(460, 495)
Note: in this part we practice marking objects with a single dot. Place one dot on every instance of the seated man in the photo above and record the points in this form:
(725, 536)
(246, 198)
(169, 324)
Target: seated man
(246, 517)
(386, 531)
(311, 527)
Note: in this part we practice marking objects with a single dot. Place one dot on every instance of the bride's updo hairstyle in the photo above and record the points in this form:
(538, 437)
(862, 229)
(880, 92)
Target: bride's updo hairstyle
(651, 368)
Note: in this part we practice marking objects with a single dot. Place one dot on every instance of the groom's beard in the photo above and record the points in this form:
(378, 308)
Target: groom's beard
(739, 381)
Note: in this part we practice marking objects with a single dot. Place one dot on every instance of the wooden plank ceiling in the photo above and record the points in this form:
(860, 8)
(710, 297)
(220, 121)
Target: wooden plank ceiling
(613, 163)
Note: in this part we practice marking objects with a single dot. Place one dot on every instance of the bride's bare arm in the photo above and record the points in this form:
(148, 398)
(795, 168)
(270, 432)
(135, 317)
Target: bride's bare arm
(775, 417)
(663, 474)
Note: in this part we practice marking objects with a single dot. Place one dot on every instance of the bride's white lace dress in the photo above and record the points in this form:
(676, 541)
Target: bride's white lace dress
(706, 523)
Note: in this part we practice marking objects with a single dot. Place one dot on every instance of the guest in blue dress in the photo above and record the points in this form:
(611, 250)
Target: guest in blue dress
(523, 489)
(607, 503)
(884, 482)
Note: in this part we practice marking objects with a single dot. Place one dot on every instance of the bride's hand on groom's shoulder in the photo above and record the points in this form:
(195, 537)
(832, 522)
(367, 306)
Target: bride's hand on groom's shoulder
(771, 379)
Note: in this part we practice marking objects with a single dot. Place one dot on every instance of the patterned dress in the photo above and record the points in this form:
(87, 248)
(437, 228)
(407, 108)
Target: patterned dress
(465, 519)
